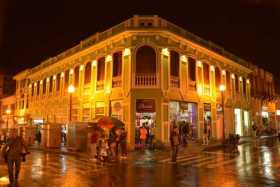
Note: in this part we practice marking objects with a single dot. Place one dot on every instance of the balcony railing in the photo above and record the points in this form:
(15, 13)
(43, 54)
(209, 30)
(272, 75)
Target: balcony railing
(100, 85)
(117, 82)
(145, 80)
(174, 82)
(206, 90)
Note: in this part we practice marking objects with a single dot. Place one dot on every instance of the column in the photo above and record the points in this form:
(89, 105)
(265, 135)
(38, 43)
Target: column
(165, 69)
(126, 71)
(183, 74)
(93, 86)
(212, 81)
(199, 78)
(108, 83)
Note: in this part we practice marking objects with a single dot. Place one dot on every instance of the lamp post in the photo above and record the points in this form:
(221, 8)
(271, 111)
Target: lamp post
(222, 89)
(71, 90)
(8, 112)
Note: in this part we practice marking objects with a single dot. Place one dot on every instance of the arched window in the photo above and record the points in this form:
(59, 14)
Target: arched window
(77, 76)
(145, 60)
(244, 86)
(66, 80)
(32, 89)
(101, 69)
(51, 84)
(58, 82)
(217, 77)
(192, 69)
(44, 86)
(117, 64)
(206, 74)
(38, 88)
(228, 86)
(236, 83)
(87, 73)
(174, 63)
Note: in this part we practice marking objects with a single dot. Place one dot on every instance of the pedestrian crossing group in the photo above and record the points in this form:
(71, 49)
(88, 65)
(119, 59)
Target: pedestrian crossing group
(208, 160)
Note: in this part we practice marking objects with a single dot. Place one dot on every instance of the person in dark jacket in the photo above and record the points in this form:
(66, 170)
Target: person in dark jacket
(13, 153)
(175, 142)
(123, 143)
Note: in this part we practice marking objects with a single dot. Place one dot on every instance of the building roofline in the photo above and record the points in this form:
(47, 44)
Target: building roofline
(135, 23)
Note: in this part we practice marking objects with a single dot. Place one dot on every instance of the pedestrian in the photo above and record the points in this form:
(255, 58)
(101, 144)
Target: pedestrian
(13, 153)
(205, 135)
(103, 148)
(175, 141)
(184, 133)
(93, 145)
(113, 144)
(143, 137)
(123, 143)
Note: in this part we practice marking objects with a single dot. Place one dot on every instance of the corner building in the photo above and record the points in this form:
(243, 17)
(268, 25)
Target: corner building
(145, 70)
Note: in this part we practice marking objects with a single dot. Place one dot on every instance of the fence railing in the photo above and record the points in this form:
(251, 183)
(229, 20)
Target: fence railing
(145, 80)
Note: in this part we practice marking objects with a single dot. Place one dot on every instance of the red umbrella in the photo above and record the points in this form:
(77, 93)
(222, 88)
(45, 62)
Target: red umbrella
(105, 122)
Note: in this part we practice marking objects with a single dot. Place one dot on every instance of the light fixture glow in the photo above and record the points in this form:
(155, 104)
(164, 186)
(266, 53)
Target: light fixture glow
(165, 51)
(94, 63)
(199, 64)
(108, 58)
(71, 89)
(222, 87)
(212, 68)
(126, 52)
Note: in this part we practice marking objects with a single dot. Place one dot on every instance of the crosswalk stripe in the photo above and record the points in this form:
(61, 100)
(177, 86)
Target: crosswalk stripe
(196, 161)
(227, 162)
(178, 157)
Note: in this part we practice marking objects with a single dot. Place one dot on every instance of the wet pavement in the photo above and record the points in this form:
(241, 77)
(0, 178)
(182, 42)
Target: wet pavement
(253, 166)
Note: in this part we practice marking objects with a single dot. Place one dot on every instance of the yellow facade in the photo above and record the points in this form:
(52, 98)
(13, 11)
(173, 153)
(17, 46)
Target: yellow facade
(130, 94)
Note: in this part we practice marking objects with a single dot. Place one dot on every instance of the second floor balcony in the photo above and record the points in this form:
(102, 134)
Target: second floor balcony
(146, 80)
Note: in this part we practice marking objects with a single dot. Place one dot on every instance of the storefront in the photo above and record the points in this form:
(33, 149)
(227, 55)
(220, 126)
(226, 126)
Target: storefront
(185, 111)
(246, 117)
(207, 117)
(238, 121)
(145, 118)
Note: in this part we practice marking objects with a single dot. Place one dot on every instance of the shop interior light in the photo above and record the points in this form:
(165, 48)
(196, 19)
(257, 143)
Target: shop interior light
(277, 112)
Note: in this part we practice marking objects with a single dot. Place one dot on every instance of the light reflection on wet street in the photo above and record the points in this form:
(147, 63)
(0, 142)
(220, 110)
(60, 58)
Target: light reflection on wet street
(251, 167)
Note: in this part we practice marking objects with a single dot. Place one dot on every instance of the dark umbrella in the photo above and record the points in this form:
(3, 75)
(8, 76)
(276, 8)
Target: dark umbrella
(110, 122)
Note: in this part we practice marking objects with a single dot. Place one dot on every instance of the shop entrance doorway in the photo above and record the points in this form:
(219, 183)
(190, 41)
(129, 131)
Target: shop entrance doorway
(207, 119)
(185, 112)
(238, 122)
(145, 123)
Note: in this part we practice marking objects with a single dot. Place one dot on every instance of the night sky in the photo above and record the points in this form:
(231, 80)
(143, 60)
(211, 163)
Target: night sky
(33, 30)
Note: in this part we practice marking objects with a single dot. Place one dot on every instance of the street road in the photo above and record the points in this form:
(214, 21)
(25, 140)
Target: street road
(251, 167)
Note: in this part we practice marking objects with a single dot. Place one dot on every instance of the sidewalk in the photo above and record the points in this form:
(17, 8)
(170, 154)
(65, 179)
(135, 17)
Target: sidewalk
(191, 148)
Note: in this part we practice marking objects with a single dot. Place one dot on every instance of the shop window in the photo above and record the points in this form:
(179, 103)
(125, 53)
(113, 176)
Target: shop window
(146, 60)
(66, 80)
(58, 82)
(87, 73)
(206, 74)
(77, 76)
(117, 64)
(44, 86)
(174, 63)
(101, 69)
(217, 77)
(192, 69)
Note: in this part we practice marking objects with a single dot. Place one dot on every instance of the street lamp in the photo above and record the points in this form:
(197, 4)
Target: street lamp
(8, 112)
(222, 89)
(71, 90)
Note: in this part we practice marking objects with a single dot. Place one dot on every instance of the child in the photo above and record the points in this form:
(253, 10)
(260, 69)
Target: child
(103, 149)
